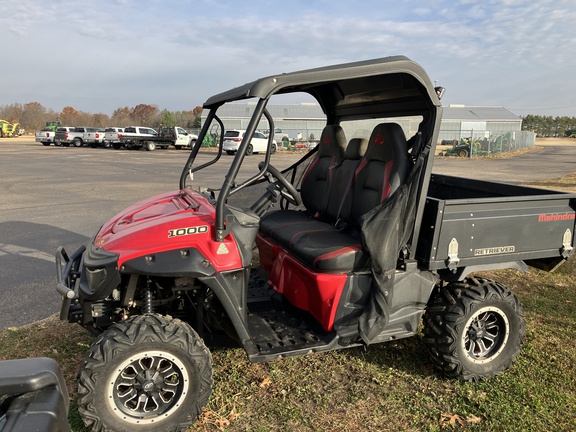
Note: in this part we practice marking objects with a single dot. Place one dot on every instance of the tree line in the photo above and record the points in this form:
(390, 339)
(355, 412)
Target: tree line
(548, 126)
(32, 116)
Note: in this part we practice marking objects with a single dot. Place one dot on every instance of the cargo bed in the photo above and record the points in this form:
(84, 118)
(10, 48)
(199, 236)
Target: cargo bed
(481, 225)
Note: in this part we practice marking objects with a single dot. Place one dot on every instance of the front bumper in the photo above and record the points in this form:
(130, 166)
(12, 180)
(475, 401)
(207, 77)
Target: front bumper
(87, 275)
(67, 274)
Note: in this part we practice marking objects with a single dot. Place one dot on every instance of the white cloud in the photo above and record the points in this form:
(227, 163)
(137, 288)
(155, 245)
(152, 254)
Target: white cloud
(106, 54)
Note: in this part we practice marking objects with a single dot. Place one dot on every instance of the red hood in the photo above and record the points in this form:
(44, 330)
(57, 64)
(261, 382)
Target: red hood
(173, 220)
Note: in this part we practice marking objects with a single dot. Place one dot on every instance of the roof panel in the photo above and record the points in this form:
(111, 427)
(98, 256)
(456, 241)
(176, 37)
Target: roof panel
(479, 113)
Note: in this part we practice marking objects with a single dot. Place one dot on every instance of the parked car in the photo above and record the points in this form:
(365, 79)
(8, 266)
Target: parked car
(233, 138)
(64, 135)
(45, 136)
(279, 135)
(94, 137)
(70, 135)
(137, 137)
(112, 136)
(176, 136)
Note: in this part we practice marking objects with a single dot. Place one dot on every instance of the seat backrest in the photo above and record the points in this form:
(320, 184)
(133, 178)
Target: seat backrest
(383, 169)
(318, 178)
(340, 193)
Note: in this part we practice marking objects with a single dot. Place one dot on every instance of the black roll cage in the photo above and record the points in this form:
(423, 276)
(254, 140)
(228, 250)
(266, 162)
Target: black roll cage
(391, 86)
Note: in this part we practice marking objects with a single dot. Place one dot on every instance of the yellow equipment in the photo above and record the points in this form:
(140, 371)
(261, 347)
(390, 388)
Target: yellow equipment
(8, 130)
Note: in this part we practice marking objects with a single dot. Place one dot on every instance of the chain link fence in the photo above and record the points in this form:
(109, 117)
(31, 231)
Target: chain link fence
(483, 143)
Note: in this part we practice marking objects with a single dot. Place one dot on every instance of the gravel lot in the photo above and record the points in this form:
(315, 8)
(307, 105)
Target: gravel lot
(54, 196)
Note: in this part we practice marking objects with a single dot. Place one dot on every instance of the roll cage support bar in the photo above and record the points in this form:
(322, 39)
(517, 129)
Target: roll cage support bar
(229, 186)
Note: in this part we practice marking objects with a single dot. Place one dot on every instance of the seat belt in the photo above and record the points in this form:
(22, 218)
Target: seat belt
(347, 190)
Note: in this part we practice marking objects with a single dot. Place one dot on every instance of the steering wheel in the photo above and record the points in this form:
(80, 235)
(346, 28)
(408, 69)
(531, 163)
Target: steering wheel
(286, 189)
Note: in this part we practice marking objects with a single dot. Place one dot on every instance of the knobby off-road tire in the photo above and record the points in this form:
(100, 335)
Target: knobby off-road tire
(149, 373)
(474, 329)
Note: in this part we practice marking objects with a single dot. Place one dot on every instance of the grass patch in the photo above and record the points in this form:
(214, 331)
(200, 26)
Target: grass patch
(386, 387)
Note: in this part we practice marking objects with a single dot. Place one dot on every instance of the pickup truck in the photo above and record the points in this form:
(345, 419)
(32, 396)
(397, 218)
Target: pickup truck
(63, 135)
(93, 137)
(45, 136)
(142, 137)
(279, 136)
(357, 243)
(176, 136)
(70, 135)
(111, 136)
(137, 137)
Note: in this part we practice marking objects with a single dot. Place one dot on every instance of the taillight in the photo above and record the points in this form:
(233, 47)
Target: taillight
(97, 135)
(237, 140)
(47, 134)
(66, 135)
(119, 135)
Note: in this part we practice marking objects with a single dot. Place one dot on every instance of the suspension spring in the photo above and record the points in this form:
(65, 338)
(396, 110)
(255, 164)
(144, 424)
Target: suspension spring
(147, 301)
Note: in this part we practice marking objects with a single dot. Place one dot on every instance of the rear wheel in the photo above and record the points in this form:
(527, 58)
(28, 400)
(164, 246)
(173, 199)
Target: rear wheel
(150, 373)
(150, 145)
(47, 143)
(249, 149)
(474, 329)
(273, 149)
(77, 142)
(463, 153)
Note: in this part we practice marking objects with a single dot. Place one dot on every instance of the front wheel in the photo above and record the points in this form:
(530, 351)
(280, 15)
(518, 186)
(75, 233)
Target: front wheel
(150, 373)
(249, 149)
(474, 329)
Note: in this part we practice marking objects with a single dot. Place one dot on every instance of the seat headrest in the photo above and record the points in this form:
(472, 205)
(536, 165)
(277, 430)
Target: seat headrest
(332, 141)
(386, 140)
(356, 148)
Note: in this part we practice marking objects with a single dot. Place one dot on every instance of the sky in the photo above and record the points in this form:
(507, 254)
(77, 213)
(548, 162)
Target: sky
(97, 56)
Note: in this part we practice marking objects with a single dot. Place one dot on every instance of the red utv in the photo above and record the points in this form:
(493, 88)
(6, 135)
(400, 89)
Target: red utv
(336, 266)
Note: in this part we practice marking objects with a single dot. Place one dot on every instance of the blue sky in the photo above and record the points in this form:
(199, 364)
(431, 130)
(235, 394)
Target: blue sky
(101, 55)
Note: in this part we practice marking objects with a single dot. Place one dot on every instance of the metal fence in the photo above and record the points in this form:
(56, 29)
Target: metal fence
(483, 143)
(463, 143)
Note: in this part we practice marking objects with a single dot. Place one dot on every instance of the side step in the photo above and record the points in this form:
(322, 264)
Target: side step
(276, 333)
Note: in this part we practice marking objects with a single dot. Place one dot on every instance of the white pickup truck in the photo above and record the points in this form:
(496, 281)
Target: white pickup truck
(45, 136)
(137, 137)
(70, 135)
(93, 137)
(149, 139)
(112, 136)
(176, 136)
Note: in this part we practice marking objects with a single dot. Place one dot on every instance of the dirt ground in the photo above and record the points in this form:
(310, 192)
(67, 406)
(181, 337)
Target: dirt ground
(556, 141)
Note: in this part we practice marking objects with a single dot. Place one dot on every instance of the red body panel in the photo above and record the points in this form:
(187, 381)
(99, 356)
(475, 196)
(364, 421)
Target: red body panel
(317, 293)
(170, 221)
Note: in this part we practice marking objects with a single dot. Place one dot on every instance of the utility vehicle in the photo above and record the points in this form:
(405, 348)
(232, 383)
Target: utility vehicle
(356, 243)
